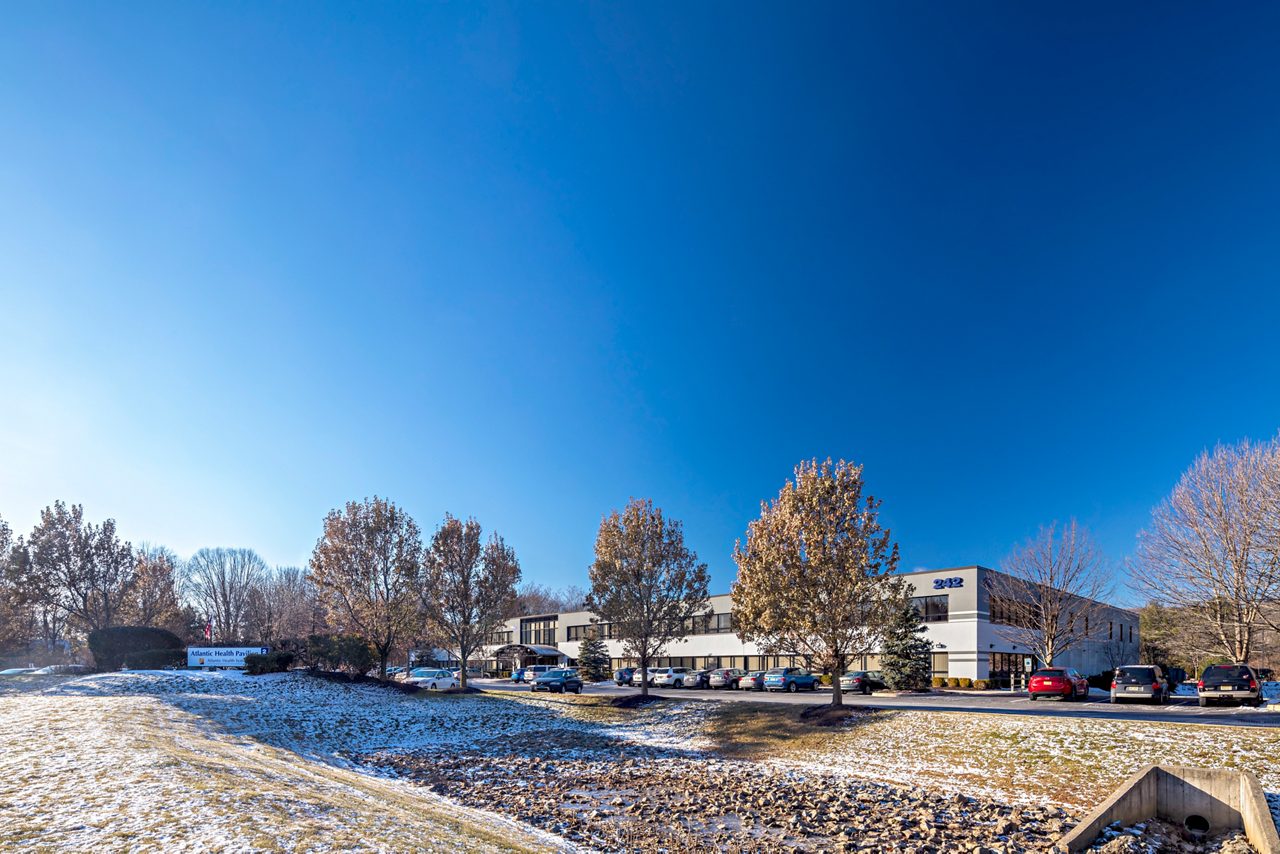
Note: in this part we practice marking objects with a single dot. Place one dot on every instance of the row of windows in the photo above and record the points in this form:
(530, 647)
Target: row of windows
(1007, 612)
(703, 624)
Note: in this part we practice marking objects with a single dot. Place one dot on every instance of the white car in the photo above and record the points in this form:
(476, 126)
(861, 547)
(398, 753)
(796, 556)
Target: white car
(472, 673)
(639, 676)
(534, 671)
(670, 677)
(435, 680)
(17, 671)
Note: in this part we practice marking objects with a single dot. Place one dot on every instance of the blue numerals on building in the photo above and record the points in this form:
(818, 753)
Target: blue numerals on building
(944, 583)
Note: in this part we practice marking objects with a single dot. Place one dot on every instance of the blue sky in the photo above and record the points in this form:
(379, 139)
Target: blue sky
(523, 262)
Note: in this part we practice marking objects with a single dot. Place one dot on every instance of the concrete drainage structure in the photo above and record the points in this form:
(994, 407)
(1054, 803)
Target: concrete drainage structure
(1203, 801)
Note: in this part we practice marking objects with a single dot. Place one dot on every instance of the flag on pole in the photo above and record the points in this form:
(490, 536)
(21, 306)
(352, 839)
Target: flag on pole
(208, 631)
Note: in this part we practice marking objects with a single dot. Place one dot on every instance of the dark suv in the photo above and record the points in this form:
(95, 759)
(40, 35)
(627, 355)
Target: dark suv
(1238, 682)
(1140, 682)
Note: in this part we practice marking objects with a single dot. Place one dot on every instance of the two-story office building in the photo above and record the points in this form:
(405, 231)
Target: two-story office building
(964, 619)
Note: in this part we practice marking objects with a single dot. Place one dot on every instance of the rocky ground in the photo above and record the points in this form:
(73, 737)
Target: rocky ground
(649, 803)
(1150, 837)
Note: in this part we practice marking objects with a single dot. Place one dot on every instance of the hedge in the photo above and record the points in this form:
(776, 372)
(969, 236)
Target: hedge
(272, 662)
(156, 659)
(112, 647)
(939, 682)
(981, 684)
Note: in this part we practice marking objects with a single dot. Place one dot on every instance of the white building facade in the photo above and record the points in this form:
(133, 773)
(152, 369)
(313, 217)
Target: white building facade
(962, 617)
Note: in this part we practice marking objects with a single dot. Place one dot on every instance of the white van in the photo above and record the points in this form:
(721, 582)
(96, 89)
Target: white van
(533, 672)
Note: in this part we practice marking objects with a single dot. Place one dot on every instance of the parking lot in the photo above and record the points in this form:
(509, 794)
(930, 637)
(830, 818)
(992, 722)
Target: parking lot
(1179, 709)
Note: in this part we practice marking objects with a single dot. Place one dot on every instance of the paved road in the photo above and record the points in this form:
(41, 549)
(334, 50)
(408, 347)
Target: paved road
(1180, 709)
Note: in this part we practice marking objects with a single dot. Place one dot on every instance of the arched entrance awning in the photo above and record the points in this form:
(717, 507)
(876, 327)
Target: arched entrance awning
(530, 653)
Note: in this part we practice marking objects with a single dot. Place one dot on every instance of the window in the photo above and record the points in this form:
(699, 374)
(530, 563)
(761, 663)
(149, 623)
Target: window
(940, 664)
(1131, 633)
(1111, 630)
(932, 609)
(538, 631)
(604, 631)
(500, 638)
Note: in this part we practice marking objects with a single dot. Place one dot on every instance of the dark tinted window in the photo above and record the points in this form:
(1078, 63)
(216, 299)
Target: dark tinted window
(1138, 672)
(1049, 672)
(1227, 671)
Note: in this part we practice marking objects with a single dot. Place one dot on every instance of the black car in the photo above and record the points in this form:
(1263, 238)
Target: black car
(622, 676)
(1238, 682)
(559, 681)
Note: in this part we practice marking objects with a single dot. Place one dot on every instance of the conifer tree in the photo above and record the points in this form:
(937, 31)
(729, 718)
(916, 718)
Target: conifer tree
(906, 655)
(593, 656)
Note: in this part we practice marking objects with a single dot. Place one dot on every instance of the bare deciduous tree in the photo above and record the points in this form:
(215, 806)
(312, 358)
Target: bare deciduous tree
(1212, 549)
(81, 569)
(534, 598)
(152, 599)
(364, 566)
(645, 581)
(283, 606)
(1048, 596)
(815, 576)
(219, 582)
(467, 588)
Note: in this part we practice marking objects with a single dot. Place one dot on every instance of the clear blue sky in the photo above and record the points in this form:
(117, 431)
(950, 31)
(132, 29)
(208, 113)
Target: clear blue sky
(522, 262)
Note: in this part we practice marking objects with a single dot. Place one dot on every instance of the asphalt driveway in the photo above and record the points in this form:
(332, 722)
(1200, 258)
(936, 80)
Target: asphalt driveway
(1179, 709)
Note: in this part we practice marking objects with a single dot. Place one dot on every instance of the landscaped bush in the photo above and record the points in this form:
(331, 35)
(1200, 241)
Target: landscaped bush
(939, 681)
(825, 679)
(966, 683)
(953, 682)
(272, 662)
(156, 659)
(981, 684)
(111, 647)
(347, 653)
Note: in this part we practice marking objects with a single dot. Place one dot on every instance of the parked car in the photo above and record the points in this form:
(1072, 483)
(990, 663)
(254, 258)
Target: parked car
(789, 679)
(1140, 682)
(559, 681)
(1063, 682)
(1238, 682)
(643, 676)
(532, 672)
(670, 677)
(17, 671)
(622, 676)
(860, 682)
(472, 673)
(753, 681)
(432, 678)
(725, 677)
(63, 670)
(517, 675)
(698, 679)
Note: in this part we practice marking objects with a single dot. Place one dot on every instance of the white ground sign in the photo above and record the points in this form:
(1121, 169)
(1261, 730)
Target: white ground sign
(222, 656)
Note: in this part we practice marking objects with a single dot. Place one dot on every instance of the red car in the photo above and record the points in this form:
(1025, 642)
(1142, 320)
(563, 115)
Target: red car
(1061, 682)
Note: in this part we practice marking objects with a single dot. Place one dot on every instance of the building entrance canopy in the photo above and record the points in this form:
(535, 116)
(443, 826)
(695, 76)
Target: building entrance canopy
(525, 653)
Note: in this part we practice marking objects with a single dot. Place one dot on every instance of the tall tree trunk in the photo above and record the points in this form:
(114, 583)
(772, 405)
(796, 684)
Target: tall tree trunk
(644, 676)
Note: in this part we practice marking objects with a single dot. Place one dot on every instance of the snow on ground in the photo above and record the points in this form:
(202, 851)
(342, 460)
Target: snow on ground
(179, 762)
